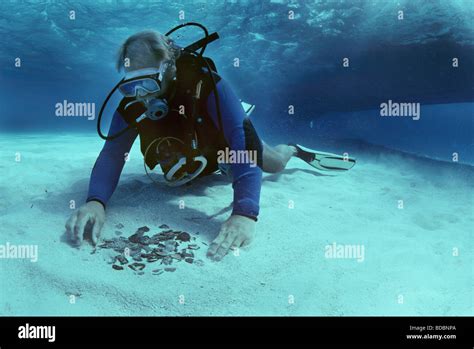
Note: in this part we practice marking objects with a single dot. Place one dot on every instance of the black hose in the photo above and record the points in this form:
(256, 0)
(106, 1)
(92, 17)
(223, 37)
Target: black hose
(99, 118)
(194, 24)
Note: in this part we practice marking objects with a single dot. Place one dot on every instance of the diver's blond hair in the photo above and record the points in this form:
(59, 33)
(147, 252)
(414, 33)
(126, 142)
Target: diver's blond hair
(143, 49)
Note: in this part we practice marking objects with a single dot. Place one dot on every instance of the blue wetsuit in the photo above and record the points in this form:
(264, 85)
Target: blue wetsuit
(246, 179)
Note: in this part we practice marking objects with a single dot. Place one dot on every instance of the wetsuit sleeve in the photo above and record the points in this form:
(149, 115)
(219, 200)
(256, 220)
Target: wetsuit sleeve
(109, 165)
(247, 178)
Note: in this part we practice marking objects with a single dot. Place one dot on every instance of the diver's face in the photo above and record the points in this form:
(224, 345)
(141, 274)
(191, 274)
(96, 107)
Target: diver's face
(169, 73)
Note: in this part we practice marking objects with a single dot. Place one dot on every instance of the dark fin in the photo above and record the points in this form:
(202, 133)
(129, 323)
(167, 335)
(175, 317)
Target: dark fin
(324, 162)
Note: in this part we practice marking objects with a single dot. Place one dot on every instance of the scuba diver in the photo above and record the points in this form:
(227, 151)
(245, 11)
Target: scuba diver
(185, 113)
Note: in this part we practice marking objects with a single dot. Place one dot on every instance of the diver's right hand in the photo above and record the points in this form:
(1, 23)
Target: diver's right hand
(92, 212)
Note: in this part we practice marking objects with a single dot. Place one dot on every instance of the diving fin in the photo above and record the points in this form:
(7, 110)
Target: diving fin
(324, 162)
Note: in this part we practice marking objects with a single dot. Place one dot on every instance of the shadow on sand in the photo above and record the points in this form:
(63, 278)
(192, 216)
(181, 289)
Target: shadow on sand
(135, 194)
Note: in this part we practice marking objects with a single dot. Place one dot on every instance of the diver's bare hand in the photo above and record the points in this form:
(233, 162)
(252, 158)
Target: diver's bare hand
(92, 212)
(237, 231)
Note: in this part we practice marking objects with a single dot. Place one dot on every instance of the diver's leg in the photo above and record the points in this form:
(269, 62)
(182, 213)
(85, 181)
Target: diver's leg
(274, 159)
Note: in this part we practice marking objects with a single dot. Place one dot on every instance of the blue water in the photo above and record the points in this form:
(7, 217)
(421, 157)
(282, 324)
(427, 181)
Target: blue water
(282, 62)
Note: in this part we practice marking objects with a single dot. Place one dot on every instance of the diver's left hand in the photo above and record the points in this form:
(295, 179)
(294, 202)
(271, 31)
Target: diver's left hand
(237, 231)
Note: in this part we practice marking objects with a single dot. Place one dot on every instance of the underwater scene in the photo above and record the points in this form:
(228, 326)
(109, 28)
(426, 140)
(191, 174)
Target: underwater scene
(236, 158)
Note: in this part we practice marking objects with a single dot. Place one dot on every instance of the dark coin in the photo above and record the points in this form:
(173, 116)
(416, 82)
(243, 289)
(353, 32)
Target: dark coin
(177, 256)
(144, 240)
(183, 236)
(143, 229)
(121, 259)
(137, 266)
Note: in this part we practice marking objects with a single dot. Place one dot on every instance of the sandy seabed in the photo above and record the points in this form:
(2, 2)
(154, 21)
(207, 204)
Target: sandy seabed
(417, 259)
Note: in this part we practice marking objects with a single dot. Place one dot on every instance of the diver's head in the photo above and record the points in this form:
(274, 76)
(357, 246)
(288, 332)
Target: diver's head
(149, 61)
(149, 49)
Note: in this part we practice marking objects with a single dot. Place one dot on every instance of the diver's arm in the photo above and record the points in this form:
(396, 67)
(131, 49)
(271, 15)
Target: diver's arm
(109, 165)
(247, 179)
